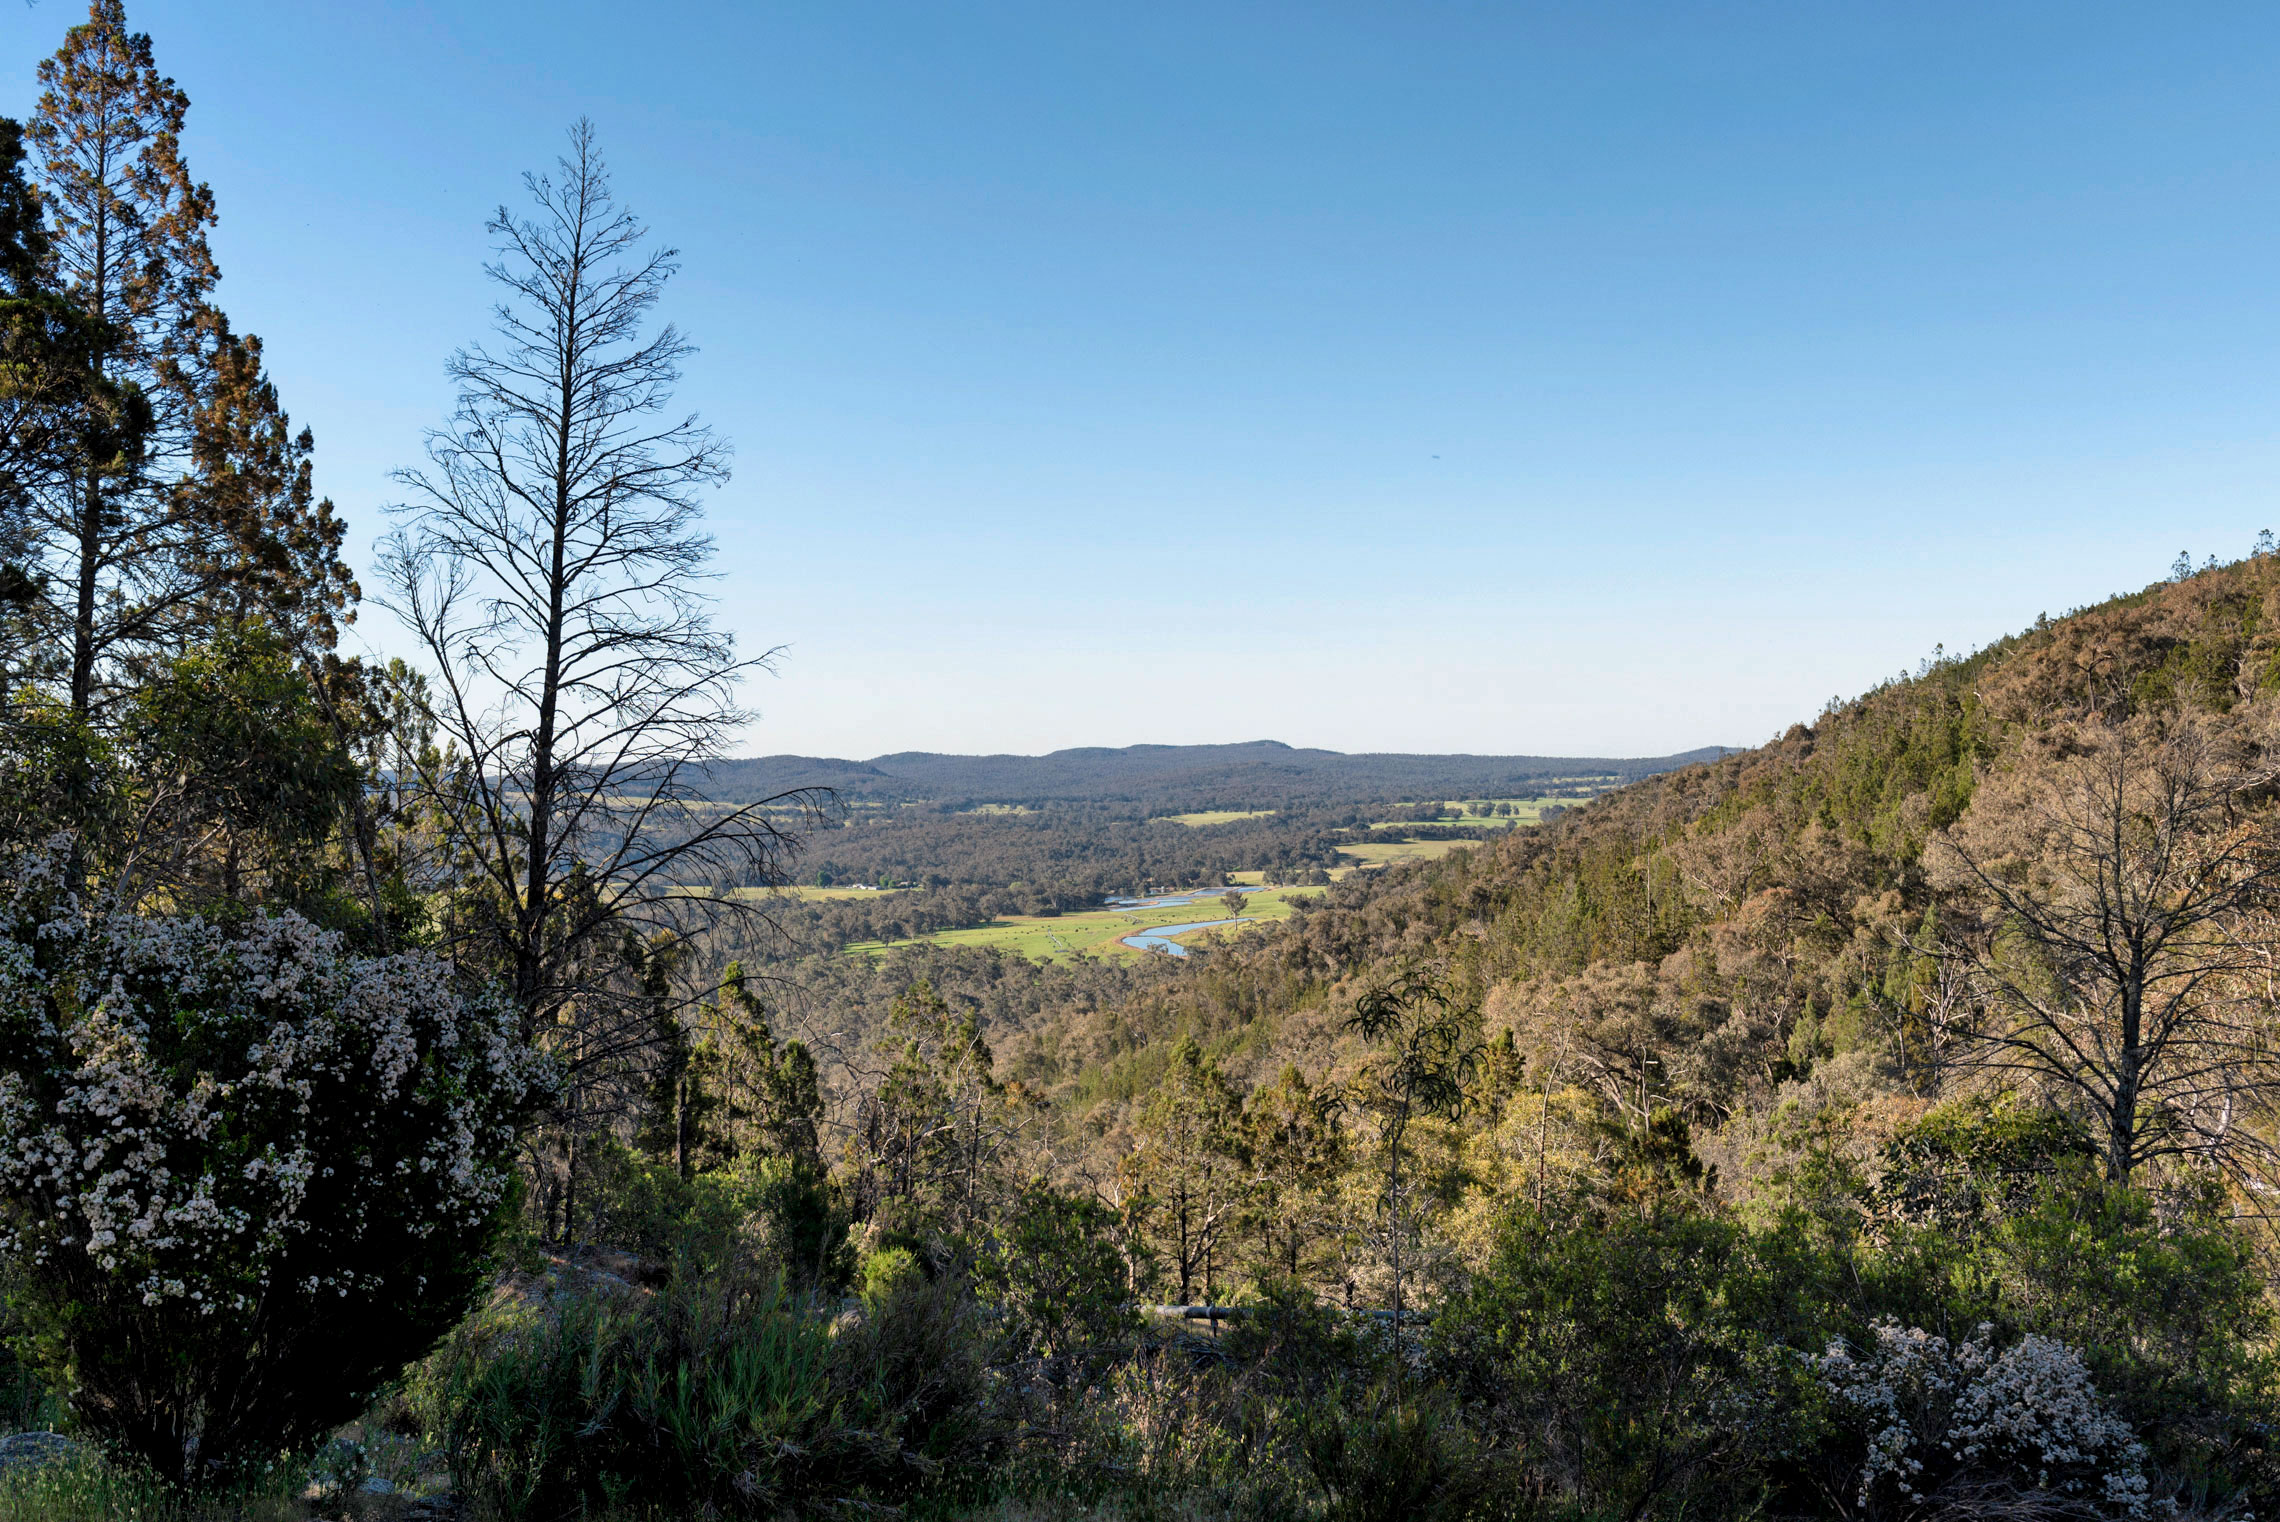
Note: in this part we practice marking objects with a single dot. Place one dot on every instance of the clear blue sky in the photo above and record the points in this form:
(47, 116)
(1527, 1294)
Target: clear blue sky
(1505, 378)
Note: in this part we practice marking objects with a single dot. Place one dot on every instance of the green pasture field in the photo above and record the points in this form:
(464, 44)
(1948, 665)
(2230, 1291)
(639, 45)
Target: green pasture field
(1531, 810)
(809, 894)
(1384, 853)
(1052, 938)
(1213, 816)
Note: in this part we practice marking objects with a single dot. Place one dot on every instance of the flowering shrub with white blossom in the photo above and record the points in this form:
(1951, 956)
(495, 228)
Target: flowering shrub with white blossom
(1960, 1429)
(245, 1175)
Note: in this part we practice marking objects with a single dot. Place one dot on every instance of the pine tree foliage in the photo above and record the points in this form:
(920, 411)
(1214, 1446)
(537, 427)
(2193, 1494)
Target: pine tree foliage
(128, 228)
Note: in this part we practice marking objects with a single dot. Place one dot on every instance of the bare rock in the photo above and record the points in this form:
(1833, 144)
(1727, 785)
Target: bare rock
(30, 1449)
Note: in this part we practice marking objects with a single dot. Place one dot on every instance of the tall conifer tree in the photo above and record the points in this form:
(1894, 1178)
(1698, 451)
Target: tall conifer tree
(268, 545)
(189, 496)
(128, 226)
(40, 340)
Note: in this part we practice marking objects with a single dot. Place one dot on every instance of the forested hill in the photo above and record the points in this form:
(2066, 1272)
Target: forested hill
(1257, 774)
(1712, 937)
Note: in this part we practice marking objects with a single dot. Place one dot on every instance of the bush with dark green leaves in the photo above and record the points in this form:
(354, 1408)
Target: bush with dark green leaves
(1639, 1365)
(1054, 1270)
(721, 1398)
(1380, 1454)
(774, 1214)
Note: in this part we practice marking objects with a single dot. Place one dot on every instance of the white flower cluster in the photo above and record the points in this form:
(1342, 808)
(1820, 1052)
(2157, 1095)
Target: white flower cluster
(1936, 1412)
(192, 1111)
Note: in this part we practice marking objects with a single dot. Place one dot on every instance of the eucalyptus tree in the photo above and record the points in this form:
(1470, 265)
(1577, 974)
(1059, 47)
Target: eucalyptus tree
(1424, 1054)
(550, 561)
(1193, 1166)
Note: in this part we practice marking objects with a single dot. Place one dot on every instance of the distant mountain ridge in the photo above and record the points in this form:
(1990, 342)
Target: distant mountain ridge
(1257, 773)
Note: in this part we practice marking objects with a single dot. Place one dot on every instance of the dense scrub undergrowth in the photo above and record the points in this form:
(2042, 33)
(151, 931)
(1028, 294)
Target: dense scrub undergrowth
(2045, 1348)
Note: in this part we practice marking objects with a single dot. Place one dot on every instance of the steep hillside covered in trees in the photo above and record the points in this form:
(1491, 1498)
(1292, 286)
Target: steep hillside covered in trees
(1775, 886)
(1776, 946)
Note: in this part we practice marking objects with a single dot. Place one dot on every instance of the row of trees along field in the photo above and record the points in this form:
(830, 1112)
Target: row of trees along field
(1875, 1124)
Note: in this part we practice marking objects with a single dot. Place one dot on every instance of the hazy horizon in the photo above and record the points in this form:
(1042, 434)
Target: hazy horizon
(1222, 745)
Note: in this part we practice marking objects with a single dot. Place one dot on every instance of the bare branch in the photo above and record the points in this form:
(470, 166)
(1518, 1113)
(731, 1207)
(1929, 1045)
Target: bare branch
(550, 560)
(2124, 939)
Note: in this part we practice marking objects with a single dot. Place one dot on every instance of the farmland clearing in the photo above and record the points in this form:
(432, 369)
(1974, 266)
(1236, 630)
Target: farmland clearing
(1382, 853)
(1469, 811)
(1101, 932)
(1210, 817)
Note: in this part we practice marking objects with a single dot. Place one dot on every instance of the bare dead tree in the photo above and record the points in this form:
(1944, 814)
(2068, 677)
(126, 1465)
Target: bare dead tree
(2121, 957)
(552, 564)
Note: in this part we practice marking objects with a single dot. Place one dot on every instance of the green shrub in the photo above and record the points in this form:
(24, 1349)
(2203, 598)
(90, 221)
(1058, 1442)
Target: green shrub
(912, 1365)
(712, 1400)
(887, 1272)
(778, 1214)
(86, 1487)
(1055, 1271)
(594, 1400)
(26, 1403)
(801, 1223)
(1643, 1365)
(2169, 1308)
(2163, 1295)
(1380, 1457)
(1966, 1164)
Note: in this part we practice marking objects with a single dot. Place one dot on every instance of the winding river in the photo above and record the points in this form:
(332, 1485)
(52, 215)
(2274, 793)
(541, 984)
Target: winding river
(1159, 937)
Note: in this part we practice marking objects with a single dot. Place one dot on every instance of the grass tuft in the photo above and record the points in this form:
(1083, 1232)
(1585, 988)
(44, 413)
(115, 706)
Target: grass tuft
(87, 1488)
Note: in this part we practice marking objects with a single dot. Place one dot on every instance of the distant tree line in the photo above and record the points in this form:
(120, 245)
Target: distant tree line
(1060, 858)
(1161, 779)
